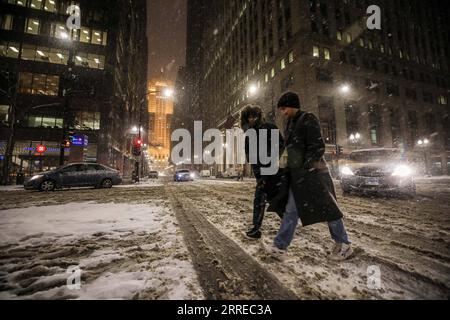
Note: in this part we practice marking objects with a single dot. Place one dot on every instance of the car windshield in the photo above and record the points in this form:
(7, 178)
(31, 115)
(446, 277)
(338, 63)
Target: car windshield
(183, 171)
(368, 156)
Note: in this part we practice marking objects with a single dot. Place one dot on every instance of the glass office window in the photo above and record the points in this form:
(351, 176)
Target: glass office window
(6, 22)
(3, 49)
(13, 50)
(32, 26)
(97, 37)
(96, 61)
(58, 30)
(25, 82)
(87, 120)
(36, 4)
(85, 35)
(50, 5)
(58, 56)
(4, 109)
(52, 85)
(28, 52)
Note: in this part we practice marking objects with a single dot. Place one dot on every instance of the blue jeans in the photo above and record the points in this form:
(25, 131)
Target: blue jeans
(259, 206)
(290, 221)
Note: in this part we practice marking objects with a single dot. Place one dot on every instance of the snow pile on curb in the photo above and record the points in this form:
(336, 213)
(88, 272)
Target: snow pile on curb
(124, 251)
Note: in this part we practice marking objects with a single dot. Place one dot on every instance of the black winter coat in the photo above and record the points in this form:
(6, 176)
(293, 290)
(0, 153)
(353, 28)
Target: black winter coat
(256, 168)
(307, 173)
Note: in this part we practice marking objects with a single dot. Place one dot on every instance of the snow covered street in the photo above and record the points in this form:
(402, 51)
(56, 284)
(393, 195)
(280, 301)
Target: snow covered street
(186, 241)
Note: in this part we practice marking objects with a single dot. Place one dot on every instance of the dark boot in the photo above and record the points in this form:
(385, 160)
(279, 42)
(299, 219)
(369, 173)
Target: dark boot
(254, 233)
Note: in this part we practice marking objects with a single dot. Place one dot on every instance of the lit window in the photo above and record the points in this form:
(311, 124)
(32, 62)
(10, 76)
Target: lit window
(349, 38)
(28, 52)
(35, 4)
(382, 49)
(96, 37)
(4, 110)
(291, 57)
(40, 84)
(12, 50)
(272, 72)
(58, 30)
(283, 64)
(32, 26)
(442, 100)
(326, 53)
(87, 120)
(267, 77)
(361, 42)
(339, 35)
(58, 56)
(370, 44)
(85, 35)
(316, 51)
(6, 22)
(50, 5)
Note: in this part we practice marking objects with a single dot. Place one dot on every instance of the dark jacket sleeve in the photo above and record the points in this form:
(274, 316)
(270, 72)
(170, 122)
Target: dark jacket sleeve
(315, 146)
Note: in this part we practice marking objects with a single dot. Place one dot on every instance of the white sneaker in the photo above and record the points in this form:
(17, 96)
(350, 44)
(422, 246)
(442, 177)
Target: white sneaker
(336, 249)
(343, 254)
(275, 252)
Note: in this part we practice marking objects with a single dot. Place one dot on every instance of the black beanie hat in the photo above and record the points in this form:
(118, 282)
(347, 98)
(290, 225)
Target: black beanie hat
(289, 99)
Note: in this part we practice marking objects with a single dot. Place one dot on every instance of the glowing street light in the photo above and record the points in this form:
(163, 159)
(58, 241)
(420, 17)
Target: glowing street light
(345, 88)
(252, 89)
(168, 93)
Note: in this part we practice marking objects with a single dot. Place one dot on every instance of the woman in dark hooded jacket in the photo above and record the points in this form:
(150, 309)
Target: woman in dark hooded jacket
(252, 118)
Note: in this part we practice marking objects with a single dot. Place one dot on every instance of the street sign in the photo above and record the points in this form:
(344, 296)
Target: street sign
(41, 149)
(80, 141)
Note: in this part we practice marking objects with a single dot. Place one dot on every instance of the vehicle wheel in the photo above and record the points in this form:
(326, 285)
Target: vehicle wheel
(47, 185)
(410, 193)
(107, 184)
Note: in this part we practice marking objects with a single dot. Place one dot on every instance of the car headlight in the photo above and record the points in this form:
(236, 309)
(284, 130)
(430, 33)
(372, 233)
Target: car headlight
(192, 175)
(346, 171)
(36, 177)
(402, 171)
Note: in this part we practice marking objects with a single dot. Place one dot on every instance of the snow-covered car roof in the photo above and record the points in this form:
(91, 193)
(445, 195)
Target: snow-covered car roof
(376, 150)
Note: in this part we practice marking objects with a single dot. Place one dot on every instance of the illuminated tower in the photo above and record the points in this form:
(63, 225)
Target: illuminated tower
(160, 104)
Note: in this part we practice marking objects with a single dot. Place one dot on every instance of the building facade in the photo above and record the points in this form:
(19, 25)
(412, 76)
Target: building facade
(90, 81)
(388, 87)
(160, 108)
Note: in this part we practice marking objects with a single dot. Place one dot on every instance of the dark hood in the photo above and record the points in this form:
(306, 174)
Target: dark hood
(248, 111)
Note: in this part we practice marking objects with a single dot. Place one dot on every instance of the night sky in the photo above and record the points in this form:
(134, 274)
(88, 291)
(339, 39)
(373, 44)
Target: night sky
(166, 37)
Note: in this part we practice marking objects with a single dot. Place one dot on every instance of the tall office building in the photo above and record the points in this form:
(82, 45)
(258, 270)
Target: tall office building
(107, 91)
(369, 88)
(160, 108)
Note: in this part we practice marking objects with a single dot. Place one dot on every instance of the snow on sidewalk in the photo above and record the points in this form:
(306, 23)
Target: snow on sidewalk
(124, 251)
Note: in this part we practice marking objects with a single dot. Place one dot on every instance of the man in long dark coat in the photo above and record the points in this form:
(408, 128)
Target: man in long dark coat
(310, 195)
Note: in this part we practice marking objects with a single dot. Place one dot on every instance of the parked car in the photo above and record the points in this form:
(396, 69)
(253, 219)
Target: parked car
(75, 175)
(381, 170)
(183, 175)
(153, 175)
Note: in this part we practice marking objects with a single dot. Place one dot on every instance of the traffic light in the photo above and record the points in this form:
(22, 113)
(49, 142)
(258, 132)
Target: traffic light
(71, 136)
(137, 146)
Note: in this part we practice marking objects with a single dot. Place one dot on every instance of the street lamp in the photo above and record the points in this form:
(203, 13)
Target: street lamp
(355, 138)
(424, 143)
(252, 90)
(168, 93)
(345, 88)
